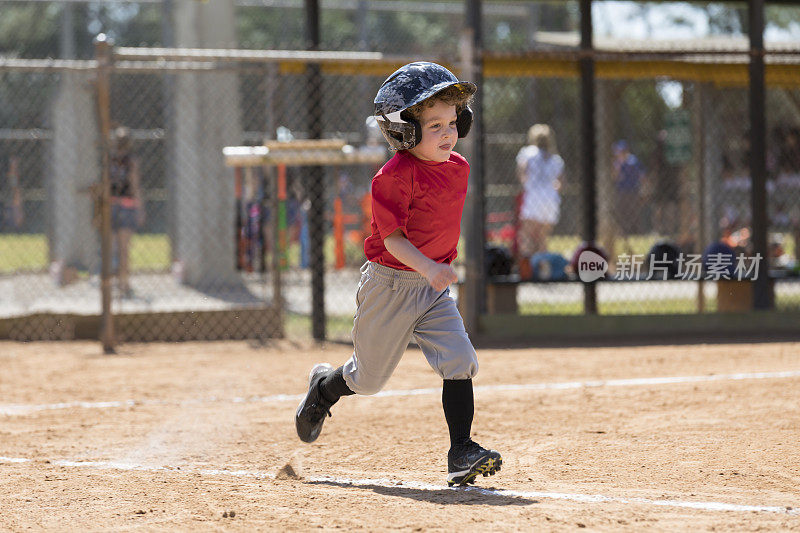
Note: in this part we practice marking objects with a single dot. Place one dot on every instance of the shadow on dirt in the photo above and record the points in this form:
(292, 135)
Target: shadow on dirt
(471, 496)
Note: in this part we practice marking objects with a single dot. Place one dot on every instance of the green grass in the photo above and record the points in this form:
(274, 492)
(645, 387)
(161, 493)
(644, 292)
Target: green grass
(787, 302)
(337, 327)
(153, 252)
(22, 253)
(566, 244)
(150, 252)
(29, 253)
(639, 244)
(667, 306)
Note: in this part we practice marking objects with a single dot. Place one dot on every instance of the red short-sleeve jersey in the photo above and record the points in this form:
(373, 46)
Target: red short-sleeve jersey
(425, 200)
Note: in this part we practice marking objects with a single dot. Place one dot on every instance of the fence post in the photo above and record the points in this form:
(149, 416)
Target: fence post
(103, 54)
(589, 181)
(699, 103)
(472, 291)
(316, 183)
(762, 293)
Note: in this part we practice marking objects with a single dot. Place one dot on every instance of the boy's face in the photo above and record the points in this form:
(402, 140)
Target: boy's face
(439, 134)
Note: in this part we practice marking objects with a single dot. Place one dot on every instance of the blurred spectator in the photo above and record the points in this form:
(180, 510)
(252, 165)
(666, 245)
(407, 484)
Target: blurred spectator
(11, 198)
(732, 200)
(628, 178)
(665, 193)
(789, 151)
(778, 258)
(127, 210)
(539, 170)
(627, 175)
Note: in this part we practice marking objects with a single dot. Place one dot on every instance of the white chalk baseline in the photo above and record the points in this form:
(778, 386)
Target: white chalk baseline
(24, 409)
(389, 483)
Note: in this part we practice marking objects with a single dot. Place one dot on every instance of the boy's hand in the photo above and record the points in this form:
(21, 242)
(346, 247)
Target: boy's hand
(440, 275)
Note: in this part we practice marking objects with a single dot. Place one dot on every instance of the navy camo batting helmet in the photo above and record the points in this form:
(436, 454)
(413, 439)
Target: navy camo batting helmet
(408, 86)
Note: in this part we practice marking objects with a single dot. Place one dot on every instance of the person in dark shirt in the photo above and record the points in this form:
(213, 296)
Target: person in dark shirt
(628, 175)
(666, 179)
(127, 210)
(11, 197)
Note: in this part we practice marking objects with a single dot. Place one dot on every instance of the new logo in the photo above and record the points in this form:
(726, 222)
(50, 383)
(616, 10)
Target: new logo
(591, 266)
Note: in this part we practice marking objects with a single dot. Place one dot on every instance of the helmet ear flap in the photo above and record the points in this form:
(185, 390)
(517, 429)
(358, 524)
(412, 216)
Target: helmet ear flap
(417, 131)
(400, 135)
(405, 115)
(464, 122)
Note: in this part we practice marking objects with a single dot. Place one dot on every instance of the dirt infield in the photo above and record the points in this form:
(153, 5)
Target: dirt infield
(188, 436)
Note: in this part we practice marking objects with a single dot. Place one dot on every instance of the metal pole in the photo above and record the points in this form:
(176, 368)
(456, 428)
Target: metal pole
(169, 80)
(762, 294)
(473, 291)
(700, 135)
(589, 181)
(278, 180)
(103, 55)
(67, 34)
(315, 183)
(534, 21)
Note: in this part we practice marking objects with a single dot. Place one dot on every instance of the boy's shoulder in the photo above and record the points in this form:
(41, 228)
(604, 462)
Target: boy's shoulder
(401, 163)
(399, 167)
(459, 159)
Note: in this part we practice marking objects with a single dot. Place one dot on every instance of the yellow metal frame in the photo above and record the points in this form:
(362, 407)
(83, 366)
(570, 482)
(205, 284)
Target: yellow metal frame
(725, 72)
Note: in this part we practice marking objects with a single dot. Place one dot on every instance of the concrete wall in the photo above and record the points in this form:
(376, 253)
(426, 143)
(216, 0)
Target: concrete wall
(75, 166)
(206, 118)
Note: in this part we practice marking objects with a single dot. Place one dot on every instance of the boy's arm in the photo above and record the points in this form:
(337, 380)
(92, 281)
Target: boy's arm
(439, 275)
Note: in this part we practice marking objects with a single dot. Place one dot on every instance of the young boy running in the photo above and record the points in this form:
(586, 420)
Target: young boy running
(417, 201)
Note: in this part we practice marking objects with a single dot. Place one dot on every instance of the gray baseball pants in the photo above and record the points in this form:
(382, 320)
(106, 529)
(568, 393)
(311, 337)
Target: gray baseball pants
(395, 306)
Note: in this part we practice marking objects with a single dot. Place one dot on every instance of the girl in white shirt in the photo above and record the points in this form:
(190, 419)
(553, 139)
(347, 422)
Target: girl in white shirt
(539, 170)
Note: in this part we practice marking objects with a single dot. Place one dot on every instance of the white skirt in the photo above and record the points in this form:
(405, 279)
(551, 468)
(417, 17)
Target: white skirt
(541, 208)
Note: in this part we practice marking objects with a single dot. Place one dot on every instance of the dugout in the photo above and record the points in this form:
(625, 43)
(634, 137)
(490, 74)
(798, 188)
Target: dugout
(739, 72)
(706, 69)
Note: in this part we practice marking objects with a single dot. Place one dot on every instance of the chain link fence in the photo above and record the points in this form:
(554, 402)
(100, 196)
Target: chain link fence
(200, 249)
(673, 178)
(205, 249)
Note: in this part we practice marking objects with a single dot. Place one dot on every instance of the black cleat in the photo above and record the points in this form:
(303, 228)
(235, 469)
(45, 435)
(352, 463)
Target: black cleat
(312, 410)
(470, 461)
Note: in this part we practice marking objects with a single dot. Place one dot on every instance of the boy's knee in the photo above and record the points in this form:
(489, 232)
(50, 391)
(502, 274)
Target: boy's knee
(366, 390)
(464, 368)
(362, 386)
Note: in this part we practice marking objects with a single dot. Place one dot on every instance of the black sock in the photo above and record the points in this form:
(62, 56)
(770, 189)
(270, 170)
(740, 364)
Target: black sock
(459, 407)
(334, 387)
